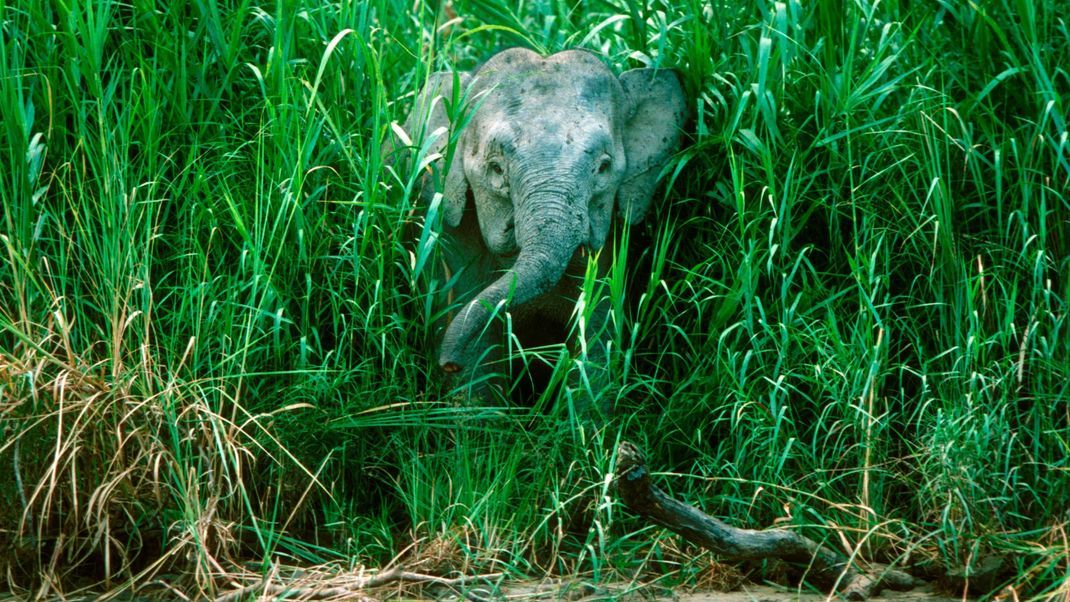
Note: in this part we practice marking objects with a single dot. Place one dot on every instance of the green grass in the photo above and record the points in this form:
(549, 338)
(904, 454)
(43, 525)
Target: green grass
(216, 318)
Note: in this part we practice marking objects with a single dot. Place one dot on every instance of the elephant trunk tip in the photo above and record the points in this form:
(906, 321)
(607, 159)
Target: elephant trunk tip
(450, 367)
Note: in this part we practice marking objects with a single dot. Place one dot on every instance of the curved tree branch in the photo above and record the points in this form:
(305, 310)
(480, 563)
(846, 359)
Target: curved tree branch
(827, 567)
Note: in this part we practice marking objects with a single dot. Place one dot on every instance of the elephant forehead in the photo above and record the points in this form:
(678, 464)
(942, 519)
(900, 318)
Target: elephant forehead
(568, 63)
(541, 93)
(570, 97)
(550, 126)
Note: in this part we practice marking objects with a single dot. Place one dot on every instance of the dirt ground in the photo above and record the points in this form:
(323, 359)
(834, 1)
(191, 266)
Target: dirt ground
(765, 593)
(746, 593)
(623, 592)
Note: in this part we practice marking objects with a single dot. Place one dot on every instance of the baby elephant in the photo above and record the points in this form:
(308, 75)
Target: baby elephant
(549, 152)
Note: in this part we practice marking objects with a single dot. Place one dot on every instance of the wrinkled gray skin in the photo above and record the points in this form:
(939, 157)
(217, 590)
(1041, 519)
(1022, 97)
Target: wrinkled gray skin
(555, 146)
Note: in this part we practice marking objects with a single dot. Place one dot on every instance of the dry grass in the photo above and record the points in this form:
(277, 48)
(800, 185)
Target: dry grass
(333, 582)
(97, 447)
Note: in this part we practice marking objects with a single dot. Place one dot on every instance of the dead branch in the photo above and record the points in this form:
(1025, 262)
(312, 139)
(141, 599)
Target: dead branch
(826, 567)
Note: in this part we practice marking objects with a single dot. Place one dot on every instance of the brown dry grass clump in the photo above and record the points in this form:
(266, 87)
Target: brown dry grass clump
(116, 472)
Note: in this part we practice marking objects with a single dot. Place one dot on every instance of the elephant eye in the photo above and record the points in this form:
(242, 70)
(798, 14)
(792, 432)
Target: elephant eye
(495, 168)
(604, 165)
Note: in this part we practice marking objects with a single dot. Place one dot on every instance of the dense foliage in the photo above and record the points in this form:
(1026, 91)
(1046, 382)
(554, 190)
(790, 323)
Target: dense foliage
(848, 313)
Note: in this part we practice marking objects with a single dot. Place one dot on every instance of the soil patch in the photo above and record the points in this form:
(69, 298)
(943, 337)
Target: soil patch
(765, 593)
(748, 592)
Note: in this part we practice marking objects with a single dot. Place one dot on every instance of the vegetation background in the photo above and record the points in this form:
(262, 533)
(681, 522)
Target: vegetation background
(849, 315)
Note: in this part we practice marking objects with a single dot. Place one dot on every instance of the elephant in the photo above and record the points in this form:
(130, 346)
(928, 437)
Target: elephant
(550, 155)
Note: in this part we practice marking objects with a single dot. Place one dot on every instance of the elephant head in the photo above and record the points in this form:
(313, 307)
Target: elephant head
(553, 147)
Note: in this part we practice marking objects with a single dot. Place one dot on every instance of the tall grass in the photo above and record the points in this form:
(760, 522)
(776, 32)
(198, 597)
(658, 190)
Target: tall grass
(848, 312)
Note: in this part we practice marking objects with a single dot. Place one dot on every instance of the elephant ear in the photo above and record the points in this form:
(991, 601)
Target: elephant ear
(430, 117)
(651, 135)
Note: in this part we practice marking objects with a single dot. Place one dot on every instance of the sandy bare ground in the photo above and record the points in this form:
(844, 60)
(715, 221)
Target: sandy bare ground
(764, 593)
(556, 591)
(745, 593)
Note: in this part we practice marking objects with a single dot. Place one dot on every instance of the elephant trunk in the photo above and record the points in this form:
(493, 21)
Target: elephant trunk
(548, 232)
